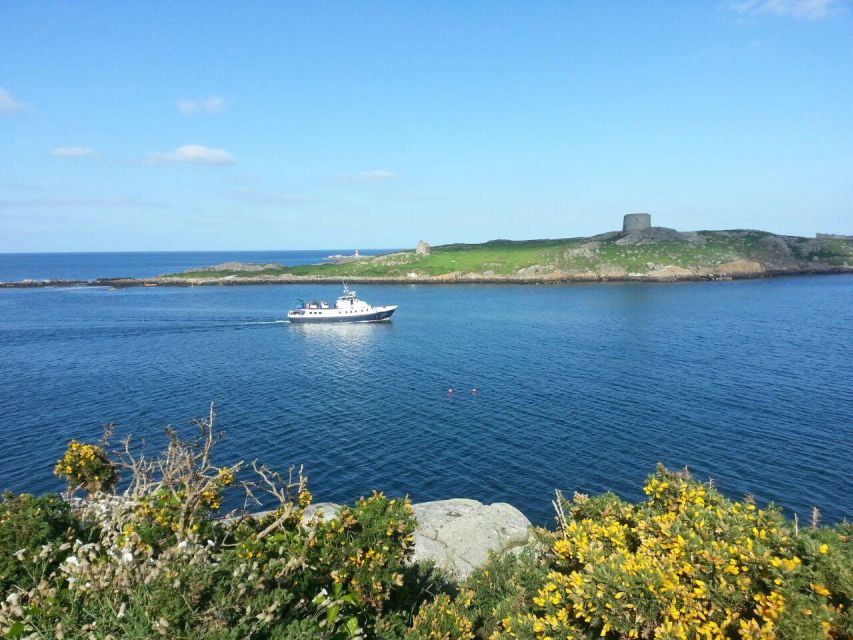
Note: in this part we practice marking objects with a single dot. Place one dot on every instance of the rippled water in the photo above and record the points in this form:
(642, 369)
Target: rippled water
(15, 267)
(581, 387)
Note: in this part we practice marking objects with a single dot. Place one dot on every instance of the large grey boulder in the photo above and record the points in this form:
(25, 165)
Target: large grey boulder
(457, 535)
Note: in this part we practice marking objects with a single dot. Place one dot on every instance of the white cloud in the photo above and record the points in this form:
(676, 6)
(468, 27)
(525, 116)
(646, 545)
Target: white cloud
(802, 9)
(191, 154)
(8, 103)
(374, 175)
(213, 104)
(73, 152)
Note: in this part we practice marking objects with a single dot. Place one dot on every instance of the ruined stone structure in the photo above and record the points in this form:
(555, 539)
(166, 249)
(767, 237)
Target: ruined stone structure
(636, 222)
(422, 248)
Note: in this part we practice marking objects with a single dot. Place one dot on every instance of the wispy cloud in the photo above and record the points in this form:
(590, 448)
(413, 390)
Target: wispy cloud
(73, 152)
(191, 154)
(800, 9)
(8, 102)
(191, 107)
(374, 175)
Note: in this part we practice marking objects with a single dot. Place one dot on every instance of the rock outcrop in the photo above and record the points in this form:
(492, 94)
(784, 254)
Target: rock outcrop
(456, 535)
(651, 235)
(240, 266)
(326, 510)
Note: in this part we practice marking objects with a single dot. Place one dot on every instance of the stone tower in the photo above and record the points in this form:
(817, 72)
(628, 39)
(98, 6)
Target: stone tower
(636, 222)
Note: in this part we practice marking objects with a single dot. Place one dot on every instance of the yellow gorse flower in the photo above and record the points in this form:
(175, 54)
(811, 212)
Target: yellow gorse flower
(678, 553)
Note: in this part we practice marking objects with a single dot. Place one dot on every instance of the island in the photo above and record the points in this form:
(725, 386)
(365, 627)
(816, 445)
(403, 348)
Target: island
(638, 252)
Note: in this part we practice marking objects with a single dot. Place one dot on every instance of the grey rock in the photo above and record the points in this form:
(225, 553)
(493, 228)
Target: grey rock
(832, 236)
(608, 235)
(239, 266)
(532, 270)
(694, 237)
(586, 250)
(808, 247)
(327, 510)
(652, 235)
(776, 244)
(458, 535)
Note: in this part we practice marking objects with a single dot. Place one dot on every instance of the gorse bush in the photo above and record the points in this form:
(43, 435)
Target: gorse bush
(161, 560)
(688, 563)
(86, 466)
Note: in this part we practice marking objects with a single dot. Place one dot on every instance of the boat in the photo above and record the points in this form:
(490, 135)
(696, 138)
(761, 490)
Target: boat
(347, 308)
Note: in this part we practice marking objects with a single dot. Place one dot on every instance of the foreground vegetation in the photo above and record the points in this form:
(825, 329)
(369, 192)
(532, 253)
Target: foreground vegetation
(610, 255)
(158, 560)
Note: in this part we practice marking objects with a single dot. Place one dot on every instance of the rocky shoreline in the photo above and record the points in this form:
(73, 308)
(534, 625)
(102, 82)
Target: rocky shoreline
(731, 271)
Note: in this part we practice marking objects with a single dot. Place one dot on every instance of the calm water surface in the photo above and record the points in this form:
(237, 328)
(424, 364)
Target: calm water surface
(581, 387)
(15, 267)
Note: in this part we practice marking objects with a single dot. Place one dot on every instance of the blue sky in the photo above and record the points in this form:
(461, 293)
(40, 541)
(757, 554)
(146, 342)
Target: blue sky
(252, 125)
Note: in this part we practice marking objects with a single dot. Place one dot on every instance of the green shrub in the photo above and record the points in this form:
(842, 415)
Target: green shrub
(158, 561)
(26, 523)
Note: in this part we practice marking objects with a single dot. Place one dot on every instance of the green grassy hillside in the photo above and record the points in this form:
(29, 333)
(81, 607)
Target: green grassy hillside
(606, 255)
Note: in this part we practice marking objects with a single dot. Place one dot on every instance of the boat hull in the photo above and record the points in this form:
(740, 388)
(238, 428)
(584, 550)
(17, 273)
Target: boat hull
(376, 315)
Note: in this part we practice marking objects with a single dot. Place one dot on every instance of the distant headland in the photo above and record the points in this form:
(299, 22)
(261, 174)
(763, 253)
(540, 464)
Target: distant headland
(639, 252)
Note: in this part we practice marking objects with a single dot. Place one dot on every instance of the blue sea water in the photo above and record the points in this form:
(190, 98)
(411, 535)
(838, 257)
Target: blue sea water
(580, 387)
(15, 267)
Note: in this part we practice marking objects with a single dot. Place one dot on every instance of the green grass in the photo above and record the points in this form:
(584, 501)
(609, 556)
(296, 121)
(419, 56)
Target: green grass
(508, 258)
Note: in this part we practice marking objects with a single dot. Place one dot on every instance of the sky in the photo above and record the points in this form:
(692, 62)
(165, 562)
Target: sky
(144, 126)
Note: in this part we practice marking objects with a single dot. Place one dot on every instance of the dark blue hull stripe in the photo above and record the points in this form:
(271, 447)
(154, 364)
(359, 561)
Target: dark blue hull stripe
(369, 317)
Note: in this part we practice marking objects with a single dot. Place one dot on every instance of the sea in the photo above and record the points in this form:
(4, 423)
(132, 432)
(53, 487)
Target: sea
(581, 387)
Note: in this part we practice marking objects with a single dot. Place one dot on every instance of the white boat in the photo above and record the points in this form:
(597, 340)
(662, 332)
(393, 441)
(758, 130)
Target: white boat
(348, 308)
